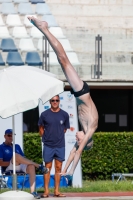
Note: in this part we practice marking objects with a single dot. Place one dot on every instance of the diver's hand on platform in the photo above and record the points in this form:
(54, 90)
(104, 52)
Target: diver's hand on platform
(63, 173)
(69, 179)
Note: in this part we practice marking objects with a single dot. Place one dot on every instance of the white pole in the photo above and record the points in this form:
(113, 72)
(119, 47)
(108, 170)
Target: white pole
(14, 166)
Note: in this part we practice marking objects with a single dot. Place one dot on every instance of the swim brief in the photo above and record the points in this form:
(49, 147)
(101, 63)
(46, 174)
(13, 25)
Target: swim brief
(84, 90)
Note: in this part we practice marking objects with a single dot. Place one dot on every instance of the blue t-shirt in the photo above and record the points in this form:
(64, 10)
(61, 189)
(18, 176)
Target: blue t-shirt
(6, 152)
(54, 125)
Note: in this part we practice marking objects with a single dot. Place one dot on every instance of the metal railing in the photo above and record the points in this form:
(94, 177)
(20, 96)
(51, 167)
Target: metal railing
(96, 69)
(45, 54)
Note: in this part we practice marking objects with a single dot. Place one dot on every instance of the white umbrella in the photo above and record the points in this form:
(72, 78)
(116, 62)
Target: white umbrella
(20, 90)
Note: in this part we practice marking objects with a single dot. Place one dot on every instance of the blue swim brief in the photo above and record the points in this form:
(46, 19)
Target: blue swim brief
(53, 153)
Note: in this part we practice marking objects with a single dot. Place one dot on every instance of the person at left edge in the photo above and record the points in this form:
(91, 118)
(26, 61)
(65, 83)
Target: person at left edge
(22, 163)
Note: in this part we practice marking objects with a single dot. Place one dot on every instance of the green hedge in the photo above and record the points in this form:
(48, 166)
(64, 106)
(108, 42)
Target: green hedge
(111, 153)
(32, 147)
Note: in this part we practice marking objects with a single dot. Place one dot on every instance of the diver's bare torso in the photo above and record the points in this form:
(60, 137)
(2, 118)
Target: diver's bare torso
(86, 111)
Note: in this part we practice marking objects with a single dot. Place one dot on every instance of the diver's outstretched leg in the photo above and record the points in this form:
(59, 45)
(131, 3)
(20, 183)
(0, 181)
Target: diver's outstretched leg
(69, 71)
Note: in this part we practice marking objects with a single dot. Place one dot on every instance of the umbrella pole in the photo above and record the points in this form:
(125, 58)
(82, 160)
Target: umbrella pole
(14, 170)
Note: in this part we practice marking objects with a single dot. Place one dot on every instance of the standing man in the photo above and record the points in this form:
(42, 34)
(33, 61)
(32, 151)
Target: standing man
(53, 124)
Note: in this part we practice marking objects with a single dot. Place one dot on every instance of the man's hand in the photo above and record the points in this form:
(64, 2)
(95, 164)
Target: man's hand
(41, 130)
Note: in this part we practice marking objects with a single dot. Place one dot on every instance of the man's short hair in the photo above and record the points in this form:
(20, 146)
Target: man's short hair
(55, 96)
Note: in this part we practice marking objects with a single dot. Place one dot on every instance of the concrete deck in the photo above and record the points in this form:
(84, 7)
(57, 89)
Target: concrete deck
(95, 195)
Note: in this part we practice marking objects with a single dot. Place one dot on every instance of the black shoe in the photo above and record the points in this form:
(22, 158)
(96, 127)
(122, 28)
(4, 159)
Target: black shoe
(43, 169)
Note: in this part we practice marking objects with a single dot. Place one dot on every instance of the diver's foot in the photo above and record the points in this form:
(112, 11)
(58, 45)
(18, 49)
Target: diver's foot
(41, 25)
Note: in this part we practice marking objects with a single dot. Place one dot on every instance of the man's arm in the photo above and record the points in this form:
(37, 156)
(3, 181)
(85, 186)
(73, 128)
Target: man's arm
(69, 160)
(41, 130)
(3, 163)
(20, 150)
(78, 153)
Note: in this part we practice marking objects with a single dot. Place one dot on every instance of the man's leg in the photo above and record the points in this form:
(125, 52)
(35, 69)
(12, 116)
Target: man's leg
(58, 167)
(22, 160)
(47, 179)
(32, 177)
(31, 171)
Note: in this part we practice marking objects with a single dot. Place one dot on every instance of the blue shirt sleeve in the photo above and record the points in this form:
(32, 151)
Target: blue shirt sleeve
(40, 122)
(1, 152)
(67, 124)
(19, 150)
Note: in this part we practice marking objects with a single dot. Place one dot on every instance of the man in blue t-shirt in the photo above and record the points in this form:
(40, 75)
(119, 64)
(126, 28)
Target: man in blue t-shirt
(53, 124)
(22, 163)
